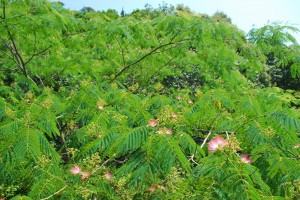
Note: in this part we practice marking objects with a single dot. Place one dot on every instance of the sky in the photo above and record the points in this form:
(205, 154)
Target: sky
(245, 14)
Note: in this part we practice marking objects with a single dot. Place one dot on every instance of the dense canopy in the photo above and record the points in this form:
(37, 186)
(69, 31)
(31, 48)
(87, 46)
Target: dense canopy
(156, 104)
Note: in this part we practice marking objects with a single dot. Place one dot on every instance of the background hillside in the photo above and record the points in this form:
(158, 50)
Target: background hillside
(158, 104)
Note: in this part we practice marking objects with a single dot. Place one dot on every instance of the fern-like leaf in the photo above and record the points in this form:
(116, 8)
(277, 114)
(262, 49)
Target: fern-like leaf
(129, 142)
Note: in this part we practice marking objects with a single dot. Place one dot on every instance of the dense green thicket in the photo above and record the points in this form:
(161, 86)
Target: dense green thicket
(94, 105)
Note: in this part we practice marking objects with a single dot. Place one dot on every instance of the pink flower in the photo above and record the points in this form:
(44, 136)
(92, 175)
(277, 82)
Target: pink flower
(108, 175)
(179, 98)
(169, 132)
(174, 115)
(100, 107)
(245, 158)
(152, 122)
(85, 175)
(217, 143)
(75, 169)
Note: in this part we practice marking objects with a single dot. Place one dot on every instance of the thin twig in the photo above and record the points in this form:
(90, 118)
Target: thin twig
(56, 192)
(122, 51)
(246, 122)
(162, 67)
(8, 55)
(166, 49)
(121, 161)
(227, 136)
(227, 132)
(176, 34)
(296, 156)
(148, 54)
(192, 159)
(11, 50)
(60, 116)
(213, 121)
(100, 166)
(40, 80)
(14, 50)
(37, 54)
(206, 138)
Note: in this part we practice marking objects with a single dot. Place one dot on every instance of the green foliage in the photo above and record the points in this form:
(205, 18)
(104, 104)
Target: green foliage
(282, 52)
(130, 114)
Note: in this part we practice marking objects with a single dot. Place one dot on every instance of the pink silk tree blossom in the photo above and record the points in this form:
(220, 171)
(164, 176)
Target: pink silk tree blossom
(245, 158)
(75, 169)
(217, 143)
(152, 122)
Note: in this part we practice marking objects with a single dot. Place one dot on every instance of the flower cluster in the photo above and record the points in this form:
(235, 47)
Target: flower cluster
(101, 104)
(153, 123)
(77, 170)
(218, 143)
(108, 175)
(155, 187)
(100, 107)
(245, 158)
(164, 131)
(179, 98)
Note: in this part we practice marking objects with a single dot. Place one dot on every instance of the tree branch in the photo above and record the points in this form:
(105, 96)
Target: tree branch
(122, 51)
(13, 48)
(162, 67)
(176, 34)
(37, 54)
(167, 49)
(16, 56)
(148, 54)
